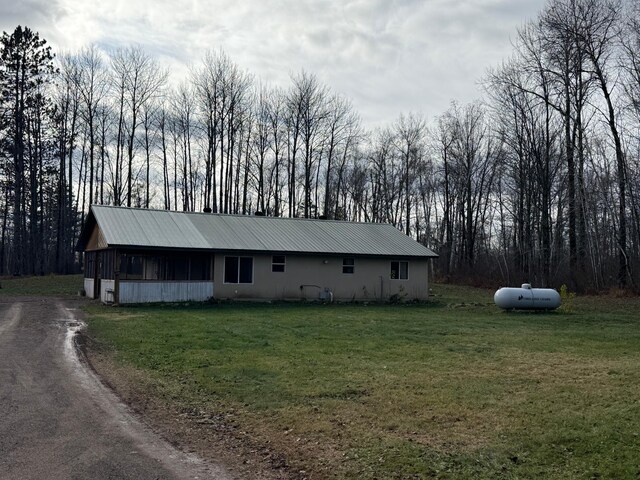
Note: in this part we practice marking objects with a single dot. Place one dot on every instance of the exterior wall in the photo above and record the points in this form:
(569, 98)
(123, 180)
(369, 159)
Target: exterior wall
(370, 281)
(88, 288)
(147, 291)
(304, 278)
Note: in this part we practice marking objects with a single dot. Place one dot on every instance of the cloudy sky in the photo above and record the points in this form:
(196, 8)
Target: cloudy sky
(387, 56)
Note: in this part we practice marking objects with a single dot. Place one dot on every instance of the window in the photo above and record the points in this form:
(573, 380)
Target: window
(177, 268)
(399, 270)
(348, 265)
(171, 267)
(200, 267)
(238, 269)
(278, 263)
(133, 267)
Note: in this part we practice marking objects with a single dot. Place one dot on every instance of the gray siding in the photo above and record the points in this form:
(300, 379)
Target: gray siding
(146, 291)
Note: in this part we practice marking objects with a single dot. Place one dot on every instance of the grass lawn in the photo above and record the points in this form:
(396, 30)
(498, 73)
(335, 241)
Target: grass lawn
(42, 285)
(451, 389)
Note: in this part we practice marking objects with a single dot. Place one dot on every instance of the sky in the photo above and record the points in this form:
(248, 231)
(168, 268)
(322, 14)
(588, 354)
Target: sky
(387, 56)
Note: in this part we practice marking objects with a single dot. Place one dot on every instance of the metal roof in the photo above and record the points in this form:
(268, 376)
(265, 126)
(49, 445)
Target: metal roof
(145, 228)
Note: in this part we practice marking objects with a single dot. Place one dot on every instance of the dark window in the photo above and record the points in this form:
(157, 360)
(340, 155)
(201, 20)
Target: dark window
(201, 267)
(132, 267)
(278, 263)
(231, 269)
(238, 269)
(399, 270)
(246, 270)
(177, 268)
(348, 265)
(182, 268)
(153, 268)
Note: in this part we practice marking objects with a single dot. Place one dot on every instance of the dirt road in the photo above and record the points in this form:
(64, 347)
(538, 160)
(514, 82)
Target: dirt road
(57, 421)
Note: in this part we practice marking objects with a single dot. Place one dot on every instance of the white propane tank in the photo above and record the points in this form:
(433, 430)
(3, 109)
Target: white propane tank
(527, 298)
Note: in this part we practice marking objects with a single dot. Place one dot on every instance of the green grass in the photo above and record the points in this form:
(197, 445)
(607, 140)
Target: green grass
(451, 389)
(43, 285)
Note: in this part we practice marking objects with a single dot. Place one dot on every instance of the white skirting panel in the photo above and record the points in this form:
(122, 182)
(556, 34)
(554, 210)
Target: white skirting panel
(158, 291)
(88, 288)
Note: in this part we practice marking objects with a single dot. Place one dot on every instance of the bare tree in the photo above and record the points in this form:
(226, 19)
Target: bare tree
(208, 84)
(260, 147)
(307, 116)
(140, 79)
(409, 133)
(276, 110)
(343, 131)
(183, 104)
(93, 87)
(599, 37)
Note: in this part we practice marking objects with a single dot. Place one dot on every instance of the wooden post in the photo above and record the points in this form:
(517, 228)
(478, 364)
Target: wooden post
(116, 278)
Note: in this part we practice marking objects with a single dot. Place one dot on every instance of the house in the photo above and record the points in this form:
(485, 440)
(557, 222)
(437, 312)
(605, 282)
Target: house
(138, 255)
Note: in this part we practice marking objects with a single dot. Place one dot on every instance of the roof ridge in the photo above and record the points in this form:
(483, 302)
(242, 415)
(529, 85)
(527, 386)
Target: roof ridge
(240, 215)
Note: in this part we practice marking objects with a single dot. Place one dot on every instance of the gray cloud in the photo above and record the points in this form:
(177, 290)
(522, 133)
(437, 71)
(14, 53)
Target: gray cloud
(387, 56)
(35, 14)
(28, 12)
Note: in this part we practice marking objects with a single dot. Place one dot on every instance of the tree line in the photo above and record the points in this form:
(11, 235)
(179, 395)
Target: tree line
(537, 182)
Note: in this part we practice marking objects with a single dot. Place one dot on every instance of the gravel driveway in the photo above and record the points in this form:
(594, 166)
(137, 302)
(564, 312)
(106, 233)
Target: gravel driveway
(57, 420)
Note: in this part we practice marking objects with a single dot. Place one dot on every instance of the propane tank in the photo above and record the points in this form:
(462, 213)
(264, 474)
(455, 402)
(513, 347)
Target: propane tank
(527, 298)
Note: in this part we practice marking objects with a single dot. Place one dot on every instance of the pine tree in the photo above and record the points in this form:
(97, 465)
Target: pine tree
(26, 67)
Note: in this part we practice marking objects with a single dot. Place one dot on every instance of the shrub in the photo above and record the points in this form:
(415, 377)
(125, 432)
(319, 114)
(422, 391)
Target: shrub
(567, 298)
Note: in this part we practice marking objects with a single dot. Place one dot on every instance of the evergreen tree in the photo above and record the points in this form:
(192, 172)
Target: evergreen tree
(26, 68)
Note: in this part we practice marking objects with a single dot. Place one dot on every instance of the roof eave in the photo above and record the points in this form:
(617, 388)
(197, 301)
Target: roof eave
(254, 251)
